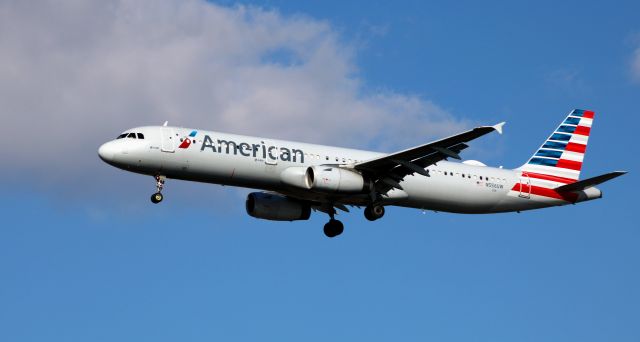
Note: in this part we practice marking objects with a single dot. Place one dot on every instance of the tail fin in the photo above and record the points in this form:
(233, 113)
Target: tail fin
(561, 155)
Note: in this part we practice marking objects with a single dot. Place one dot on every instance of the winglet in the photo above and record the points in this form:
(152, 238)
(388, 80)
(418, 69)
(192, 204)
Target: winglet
(498, 127)
(165, 124)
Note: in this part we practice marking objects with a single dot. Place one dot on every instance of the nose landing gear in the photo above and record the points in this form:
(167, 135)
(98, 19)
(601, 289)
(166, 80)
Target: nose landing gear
(157, 197)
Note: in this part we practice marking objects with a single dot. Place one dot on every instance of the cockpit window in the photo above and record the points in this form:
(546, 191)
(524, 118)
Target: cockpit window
(131, 136)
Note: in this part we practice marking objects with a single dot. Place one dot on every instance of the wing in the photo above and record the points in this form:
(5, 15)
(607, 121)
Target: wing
(388, 171)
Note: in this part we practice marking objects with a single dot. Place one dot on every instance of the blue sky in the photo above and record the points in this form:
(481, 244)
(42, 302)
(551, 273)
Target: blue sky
(85, 256)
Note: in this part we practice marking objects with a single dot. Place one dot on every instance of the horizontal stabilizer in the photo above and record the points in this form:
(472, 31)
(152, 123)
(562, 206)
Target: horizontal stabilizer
(587, 183)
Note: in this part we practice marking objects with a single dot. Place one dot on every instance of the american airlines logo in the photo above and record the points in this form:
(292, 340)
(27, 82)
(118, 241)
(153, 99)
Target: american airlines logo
(186, 142)
(245, 149)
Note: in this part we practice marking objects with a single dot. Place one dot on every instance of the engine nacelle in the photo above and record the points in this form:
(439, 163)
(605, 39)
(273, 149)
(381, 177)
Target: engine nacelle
(276, 208)
(296, 176)
(334, 179)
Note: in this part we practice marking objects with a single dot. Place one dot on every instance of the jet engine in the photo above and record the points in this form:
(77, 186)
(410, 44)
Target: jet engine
(296, 176)
(336, 180)
(276, 207)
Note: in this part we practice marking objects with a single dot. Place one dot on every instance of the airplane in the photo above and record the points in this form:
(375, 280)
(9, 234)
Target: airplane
(297, 178)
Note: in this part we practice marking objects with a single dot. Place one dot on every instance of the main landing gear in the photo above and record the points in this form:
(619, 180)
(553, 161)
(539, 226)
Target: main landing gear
(374, 212)
(157, 197)
(334, 227)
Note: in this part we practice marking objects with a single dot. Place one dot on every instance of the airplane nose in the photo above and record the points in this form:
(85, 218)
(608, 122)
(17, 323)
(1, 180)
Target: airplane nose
(107, 151)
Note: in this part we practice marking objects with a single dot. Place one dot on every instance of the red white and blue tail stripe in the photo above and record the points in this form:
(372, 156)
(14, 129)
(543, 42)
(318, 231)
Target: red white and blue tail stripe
(560, 158)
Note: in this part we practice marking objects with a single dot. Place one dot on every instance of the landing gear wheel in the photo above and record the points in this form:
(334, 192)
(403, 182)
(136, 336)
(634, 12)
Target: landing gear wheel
(368, 215)
(157, 197)
(374, 212)
(333, 228)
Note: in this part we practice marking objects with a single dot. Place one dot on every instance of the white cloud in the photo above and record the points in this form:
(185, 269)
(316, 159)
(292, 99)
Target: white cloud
(75, 73)
(567, 80)
(635, 65)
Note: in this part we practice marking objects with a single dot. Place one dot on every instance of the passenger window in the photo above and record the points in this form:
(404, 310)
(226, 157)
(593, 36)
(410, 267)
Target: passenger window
(131, 135)
(445, 173)
(140, 136)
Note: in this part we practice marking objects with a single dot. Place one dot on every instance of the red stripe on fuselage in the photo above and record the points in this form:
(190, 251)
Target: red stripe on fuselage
(582, 130)
(549, 177)
(545, 192)
(569, 164)
(574, 147)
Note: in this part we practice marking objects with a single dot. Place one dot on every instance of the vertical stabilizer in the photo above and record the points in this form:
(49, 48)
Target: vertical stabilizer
(560, 157)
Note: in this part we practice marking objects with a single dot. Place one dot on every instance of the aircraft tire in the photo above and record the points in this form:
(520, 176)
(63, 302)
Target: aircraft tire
(368, 215)
(373, 213)
(333, 228)
(157, 197)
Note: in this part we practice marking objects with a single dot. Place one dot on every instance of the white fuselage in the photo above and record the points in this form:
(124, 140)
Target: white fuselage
(258, 163)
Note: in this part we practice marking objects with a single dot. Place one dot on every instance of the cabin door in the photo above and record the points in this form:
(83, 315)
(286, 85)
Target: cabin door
(168, 140)
(525, 186)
